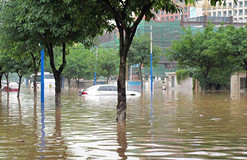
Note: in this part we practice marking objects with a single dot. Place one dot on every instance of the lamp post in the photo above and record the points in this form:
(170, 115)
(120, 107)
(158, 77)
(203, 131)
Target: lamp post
(95, 74)
(151, 59)
(42, 77)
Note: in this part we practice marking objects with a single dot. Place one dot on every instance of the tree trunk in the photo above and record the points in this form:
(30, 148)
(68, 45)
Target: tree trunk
(246, 81)
(78, 83)
(1, 75)
(140, 73)
(57, 73)
(122, 104)
(68, 81)
(19, 85)
(125, 41)
(7, 79)
(35, 84)
(58, 84)
(127, 34)
(107, 79)
(36, 69)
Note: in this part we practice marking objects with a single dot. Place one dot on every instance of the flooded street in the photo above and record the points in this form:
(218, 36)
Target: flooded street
(170, 126)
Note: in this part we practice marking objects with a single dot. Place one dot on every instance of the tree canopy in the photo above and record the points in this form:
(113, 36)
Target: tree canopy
(201, 51)
(107, 62)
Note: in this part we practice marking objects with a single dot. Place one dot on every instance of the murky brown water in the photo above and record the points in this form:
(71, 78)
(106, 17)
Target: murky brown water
(173, 126)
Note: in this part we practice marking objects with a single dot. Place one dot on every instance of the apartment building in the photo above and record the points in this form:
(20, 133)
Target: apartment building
(238, 11)
(163, 16)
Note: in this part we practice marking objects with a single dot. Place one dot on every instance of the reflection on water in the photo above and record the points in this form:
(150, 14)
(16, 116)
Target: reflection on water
(121, 139)
(42, 140)
(169, 125)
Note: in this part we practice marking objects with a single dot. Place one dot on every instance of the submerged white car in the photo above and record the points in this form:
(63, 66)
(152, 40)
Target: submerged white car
(105, 90)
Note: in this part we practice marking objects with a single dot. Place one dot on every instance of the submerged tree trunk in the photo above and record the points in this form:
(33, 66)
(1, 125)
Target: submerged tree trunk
(57, 73)
(140, 73)
(68, 81)
(19, 85)
(58, 84)
(36, 69)
(125, 41)
(78, 82)
(1, 76)
(127, 33)
(7, 80)
(246, 81)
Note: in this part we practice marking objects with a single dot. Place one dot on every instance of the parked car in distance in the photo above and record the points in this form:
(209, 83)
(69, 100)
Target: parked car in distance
(105, 90)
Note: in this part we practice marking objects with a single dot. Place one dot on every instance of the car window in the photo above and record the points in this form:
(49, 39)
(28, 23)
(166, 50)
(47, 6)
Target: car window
(113, 88)
(104, 88)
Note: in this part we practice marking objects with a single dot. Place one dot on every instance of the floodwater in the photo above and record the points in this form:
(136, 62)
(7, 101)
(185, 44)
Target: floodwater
(171, 125)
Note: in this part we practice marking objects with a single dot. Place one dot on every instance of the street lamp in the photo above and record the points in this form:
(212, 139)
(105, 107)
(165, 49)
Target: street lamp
(95, 74)
(42, 96)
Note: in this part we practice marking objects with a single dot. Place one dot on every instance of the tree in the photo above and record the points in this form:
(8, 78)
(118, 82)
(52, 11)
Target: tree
(200, 51)
(21, 67)
(122, 14)
(139, 53)
(12, 41)
(107, 62)
(55, 23)
(79, 64)
(236, 46)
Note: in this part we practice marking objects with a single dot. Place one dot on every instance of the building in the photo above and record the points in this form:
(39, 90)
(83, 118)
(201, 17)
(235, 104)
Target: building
(163, 16)
(228, 9)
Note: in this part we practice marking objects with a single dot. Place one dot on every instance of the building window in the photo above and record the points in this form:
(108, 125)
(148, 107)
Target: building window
(245, 11)
(186, 16)
(245, 3)
(162, 12)
(235, 19)
(240, 12)
(209, 14)
(185, 9)
(171, 17)
(224, 13)
(158, 12)
(167, 18)
(229, 13)
(219, 13)
(162, 18)
(176, 17)
(230, 4)
(242, 83)
(234, 5)
(235, 12)
(214, 14)
(240, 4)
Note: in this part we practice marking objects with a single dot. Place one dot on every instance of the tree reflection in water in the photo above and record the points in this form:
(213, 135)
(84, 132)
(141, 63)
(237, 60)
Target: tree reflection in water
(122, 140)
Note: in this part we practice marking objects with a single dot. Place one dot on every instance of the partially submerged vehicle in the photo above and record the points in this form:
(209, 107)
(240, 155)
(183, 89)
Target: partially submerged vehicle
(105, 90)
(49, 80)
(13, 87)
